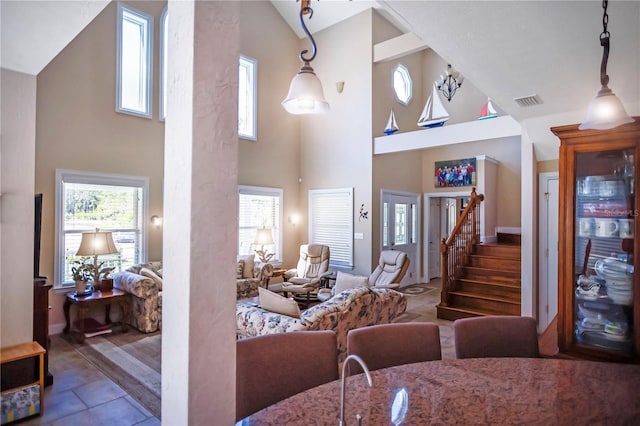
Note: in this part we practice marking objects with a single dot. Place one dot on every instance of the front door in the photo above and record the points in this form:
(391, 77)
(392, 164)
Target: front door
(400, 229)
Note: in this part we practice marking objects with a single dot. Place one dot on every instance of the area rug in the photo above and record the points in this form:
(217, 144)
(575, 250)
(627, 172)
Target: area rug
(416, 289)
(132, 360)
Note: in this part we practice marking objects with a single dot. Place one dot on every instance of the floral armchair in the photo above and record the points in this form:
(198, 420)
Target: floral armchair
(251, 275)
(352, 308)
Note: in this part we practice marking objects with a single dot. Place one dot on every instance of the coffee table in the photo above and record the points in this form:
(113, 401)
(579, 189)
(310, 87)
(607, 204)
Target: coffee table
(97, 298)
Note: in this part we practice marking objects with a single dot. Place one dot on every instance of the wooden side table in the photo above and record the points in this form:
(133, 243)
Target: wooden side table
(97, 298)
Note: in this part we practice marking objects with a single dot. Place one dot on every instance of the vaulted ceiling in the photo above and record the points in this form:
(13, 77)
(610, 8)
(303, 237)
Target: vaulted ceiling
(508, 49)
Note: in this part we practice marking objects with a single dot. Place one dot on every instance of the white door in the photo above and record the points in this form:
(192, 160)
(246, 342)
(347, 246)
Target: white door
(548, 255)
(400, 229)
(435, 236)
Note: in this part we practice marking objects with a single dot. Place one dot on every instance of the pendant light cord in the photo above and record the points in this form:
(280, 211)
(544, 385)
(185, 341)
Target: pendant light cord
(604, 42)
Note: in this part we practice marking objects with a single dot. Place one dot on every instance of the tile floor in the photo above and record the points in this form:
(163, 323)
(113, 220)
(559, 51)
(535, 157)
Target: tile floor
(82, 395)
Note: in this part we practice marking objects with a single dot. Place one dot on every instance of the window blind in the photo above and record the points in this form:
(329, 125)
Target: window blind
(331, 222)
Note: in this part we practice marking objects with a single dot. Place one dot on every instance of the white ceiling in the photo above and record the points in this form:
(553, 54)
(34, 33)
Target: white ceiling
(508, 49)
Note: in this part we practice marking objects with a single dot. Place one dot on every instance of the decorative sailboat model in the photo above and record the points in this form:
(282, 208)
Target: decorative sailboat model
(488, 111)
(392, 126)
(433, 114)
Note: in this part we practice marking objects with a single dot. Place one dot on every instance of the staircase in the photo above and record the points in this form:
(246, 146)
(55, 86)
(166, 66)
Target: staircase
(488, 285)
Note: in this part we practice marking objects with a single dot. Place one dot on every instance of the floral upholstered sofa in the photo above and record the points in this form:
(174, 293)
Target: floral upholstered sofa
(251, 275)
(352, 308)
(144, 282)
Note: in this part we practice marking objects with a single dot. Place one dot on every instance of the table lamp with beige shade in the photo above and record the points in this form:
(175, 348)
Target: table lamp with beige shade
(264, 237)
(96, 244)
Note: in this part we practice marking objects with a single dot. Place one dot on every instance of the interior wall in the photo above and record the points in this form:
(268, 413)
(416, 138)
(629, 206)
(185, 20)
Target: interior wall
(397, 171)
(548, 166)
(273, 160)
(506, 151)
(77, 128)
(468, 100)
(336, 148)
(18, 115)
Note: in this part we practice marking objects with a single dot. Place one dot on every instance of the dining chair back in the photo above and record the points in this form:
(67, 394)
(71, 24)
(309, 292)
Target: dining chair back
(496, 336)
(273, 367)
(386, 345)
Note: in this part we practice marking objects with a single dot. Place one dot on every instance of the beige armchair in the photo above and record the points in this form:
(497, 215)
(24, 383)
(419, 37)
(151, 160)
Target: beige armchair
(312, 264)
(392, 267)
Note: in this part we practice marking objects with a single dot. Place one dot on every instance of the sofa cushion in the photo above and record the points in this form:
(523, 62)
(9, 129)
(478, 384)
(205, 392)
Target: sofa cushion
(240, 269)
(273, 302)
(345, 281)
(147, 272)
(248, 262)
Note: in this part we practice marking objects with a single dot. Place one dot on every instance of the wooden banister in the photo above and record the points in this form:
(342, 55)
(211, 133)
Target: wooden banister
(456, 249)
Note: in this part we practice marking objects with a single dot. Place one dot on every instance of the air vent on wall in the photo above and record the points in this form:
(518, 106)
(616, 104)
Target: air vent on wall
(527, 101)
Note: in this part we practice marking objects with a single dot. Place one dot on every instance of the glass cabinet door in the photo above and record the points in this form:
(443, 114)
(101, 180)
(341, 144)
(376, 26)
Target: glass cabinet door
(603, 265)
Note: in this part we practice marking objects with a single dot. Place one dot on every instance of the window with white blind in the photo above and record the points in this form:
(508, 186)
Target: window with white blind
(134, 59)
(331, 223)
(89, 201)
(247, 98)
(259, 207)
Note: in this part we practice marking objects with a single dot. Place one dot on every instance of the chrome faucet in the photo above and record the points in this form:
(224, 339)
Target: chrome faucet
(366, 372)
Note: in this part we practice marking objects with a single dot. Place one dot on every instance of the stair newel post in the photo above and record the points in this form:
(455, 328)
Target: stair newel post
(444, 268)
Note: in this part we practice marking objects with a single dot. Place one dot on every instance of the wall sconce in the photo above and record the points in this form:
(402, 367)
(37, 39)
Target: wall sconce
(294, 219)
(305, 92)
(605, 110)
(156, 221)
(339, 86)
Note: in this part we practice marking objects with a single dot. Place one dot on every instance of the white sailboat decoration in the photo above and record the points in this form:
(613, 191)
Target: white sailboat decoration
(392, 126)
(488, 111)
(433, 114)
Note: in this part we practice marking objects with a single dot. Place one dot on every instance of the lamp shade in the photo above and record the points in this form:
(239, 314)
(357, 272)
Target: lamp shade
(264, 237)
(96, 243)
(605, 112)
(305, 94)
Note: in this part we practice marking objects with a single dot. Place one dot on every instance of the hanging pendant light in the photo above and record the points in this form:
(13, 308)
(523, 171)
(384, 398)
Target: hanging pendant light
(305, 92)
(605, 110)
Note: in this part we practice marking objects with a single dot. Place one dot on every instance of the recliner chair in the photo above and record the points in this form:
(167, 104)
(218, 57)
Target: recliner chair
(312, 264)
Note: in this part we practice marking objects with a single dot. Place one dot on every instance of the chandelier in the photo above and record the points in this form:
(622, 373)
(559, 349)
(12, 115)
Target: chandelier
(449, 82)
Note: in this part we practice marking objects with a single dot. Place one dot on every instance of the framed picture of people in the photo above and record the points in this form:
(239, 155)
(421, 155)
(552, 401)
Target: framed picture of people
(452, 173)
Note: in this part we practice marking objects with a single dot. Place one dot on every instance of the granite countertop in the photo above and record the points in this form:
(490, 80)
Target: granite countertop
(472, 391)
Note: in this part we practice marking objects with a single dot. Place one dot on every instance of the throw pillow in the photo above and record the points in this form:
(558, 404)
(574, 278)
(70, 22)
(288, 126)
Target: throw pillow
(247, 272)
(273, 302)
(146, 272)
(345, 281)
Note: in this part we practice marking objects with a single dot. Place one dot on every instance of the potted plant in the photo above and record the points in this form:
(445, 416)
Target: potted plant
(81, 273)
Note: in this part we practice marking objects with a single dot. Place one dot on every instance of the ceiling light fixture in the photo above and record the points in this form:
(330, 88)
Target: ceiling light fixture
(449, 82)
(605, 110)
(305, 92)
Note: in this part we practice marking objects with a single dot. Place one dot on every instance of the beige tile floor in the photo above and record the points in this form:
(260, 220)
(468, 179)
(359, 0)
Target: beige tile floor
(82, 395)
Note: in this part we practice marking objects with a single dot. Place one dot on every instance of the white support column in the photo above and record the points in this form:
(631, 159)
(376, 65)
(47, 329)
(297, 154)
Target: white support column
(200, 214)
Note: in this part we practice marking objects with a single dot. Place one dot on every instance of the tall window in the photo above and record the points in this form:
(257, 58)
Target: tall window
(164, 63)
(331, 223)
(89, 201)
(259, 207)
(134, 62)
(247, 89)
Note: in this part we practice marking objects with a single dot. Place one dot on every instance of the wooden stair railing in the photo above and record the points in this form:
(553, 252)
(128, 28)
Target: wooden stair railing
(456, 249)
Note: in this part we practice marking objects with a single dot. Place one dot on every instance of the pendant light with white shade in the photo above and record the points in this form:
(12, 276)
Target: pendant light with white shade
(605, 110)
(305, 92)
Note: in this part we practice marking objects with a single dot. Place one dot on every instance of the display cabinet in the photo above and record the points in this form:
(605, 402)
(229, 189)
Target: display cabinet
(599, 291)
